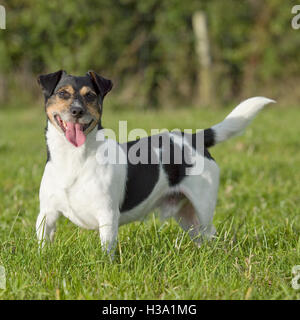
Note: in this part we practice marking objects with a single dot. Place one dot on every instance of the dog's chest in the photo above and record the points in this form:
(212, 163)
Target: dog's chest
(79, 201)
(77, 190)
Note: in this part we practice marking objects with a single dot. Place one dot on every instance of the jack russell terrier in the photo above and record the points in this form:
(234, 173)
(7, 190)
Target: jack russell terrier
(102, 195)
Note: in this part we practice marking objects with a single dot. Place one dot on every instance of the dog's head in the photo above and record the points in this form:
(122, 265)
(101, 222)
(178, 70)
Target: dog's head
(74, 104)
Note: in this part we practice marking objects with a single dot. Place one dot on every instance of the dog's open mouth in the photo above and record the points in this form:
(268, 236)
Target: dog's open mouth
(74, 132)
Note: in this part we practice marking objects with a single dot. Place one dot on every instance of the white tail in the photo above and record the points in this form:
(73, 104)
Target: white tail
(239, 118)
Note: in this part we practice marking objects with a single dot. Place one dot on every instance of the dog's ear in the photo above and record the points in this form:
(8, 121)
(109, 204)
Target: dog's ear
(102, 85)
(48, 82)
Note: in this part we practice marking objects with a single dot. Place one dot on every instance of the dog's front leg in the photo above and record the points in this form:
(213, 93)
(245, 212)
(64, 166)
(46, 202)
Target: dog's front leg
(108, 229)
(46, 226)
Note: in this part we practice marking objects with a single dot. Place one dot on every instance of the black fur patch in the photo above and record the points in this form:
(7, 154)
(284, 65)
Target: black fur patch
(209, 138)
(209, 141)
(141, 179)
(176, 172)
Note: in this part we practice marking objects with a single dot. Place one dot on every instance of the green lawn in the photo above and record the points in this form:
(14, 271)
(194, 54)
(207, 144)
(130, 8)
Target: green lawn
(257, 218)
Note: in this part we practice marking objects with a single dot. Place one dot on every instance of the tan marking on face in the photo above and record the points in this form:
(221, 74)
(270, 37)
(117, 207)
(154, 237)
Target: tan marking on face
(67, 88)
(58, 105)
(91, 127)
(84, 90)
(92, 107)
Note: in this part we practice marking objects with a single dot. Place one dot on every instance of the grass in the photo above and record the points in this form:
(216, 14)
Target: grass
(257, 218)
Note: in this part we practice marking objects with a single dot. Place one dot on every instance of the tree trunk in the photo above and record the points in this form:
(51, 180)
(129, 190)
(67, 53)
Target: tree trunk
(204, 94)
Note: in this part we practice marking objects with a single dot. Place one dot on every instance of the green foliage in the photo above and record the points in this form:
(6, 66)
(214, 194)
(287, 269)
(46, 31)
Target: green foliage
(148, 47)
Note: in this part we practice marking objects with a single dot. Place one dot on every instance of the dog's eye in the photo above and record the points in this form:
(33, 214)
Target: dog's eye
(64, 94)
(90, 96)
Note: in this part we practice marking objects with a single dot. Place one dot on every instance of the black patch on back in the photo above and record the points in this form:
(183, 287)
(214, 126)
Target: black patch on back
(141, 179)
(175, 171)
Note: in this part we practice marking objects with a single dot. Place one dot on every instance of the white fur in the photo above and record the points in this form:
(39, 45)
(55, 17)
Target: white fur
(239, 118)
(90, 194)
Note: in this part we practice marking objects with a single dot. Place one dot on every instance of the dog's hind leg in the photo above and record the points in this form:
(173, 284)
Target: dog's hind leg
(201, 191)
(192, 222)
(188, 220)
(194, 205)
(46, 226)
(179, 207)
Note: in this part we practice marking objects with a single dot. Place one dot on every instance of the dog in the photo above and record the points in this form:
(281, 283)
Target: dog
(103, 195)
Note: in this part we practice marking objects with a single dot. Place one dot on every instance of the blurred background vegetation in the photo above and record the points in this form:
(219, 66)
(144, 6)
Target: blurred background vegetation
(149, 49)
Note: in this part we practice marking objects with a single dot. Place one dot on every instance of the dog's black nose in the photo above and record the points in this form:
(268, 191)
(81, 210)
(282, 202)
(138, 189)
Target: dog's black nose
(77, 112)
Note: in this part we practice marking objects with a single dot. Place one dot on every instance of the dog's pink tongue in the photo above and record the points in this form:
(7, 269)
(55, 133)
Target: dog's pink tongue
(74, 134)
